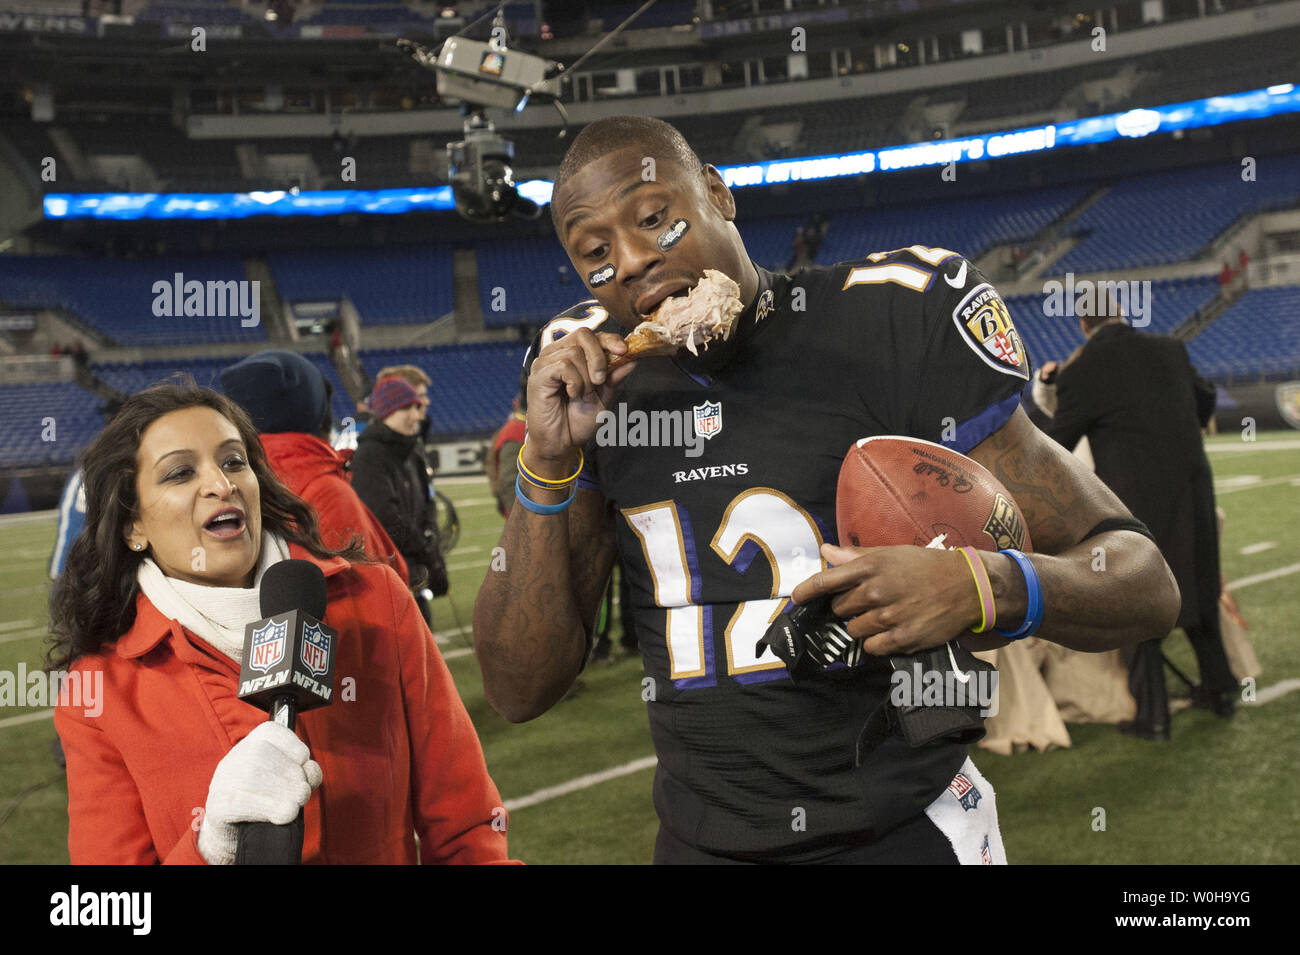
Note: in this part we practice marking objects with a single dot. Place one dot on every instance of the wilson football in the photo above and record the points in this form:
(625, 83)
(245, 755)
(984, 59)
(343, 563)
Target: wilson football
(899, 490)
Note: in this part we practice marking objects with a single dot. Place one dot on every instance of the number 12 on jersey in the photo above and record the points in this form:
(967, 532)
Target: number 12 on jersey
(759, 520)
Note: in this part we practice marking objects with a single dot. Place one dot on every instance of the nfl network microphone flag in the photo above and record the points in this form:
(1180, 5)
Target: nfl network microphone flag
(288, 668)
(289, 653)
(288, 656)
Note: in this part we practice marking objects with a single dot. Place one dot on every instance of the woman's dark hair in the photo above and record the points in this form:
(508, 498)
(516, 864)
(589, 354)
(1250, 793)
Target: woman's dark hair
(93, 601)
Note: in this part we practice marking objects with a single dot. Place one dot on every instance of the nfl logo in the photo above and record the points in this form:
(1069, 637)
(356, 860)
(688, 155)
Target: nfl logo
(268, 646)
(986, 856)
(965, 791)
(708, 419)
(315, 649)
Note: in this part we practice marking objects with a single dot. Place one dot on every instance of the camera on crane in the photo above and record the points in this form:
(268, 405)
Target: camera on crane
(481, 166)
(482, 174)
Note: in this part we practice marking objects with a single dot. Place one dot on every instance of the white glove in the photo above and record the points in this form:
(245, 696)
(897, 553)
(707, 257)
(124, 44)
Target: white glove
(267, 777)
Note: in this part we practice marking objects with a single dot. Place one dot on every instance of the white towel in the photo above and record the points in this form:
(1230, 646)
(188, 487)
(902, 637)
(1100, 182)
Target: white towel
(967, 813)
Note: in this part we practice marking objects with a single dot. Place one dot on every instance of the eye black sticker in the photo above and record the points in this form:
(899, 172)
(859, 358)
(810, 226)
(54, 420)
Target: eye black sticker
(601, 276)
(673, 234)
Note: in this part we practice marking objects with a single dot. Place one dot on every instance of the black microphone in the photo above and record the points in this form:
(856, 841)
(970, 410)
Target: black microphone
(288, 668)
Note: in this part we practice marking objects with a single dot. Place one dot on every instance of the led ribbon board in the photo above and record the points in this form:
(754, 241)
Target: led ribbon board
(1132, 124)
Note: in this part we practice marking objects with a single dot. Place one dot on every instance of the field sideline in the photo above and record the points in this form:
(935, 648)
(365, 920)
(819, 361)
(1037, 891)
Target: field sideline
(578, 778)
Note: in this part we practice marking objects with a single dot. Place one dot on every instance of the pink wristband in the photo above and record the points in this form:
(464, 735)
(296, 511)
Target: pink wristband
(987, 609)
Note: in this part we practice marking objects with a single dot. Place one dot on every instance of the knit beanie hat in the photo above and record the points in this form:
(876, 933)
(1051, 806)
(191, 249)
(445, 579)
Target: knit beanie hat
(391, 394)
(280, 390)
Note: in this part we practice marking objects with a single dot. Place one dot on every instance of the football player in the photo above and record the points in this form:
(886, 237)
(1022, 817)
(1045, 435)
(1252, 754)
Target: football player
(719, 535)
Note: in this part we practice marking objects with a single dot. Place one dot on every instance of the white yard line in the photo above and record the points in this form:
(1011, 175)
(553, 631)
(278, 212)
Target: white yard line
(1270, 693)
(1258, 548)
(31, 517)
(23, 635)
(24, 591)
(1280, 444)
(582, 782)
(16, 624)
(479, 478)
(1252, 485)
(18, 559)
(470, 566)
(1260, 578)
(27, 718)
(453, 632)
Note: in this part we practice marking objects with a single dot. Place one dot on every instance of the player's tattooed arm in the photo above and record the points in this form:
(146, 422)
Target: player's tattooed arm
(1099, 593)
(533, 617)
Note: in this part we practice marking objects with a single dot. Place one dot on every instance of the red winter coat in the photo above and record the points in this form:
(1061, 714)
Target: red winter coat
(314, 471)
(397, 750)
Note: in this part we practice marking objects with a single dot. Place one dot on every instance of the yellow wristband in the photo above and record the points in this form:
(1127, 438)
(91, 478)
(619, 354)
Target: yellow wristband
(547, 483)
(988, 611)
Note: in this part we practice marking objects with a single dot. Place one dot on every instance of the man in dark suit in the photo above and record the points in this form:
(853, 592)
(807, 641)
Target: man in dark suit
(1142, 405)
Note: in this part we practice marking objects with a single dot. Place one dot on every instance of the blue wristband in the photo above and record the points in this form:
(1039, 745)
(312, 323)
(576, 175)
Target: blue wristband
(1034, 609)
(536, 508)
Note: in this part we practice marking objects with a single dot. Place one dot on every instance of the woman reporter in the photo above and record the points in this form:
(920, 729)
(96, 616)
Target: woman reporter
(183, 517)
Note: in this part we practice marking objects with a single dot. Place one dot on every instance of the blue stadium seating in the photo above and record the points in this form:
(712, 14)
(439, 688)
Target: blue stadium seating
(71, 411)
(969, 226)
(397, 285)
(76, 412)
(130, 377)
(342, 404)
(116, 296)
(527, 272)
(1053, 338)
(472, 385)
(1259, 334)
(1172, 216)
(197, 12)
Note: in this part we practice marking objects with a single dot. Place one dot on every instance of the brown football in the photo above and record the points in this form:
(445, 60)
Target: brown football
(899, 490)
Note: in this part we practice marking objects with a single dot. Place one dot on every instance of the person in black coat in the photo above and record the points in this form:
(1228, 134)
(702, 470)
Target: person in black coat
(1142, 406)
(389, 475)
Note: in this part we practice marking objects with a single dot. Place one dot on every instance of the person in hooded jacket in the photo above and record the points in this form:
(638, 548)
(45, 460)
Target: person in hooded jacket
(288, 399)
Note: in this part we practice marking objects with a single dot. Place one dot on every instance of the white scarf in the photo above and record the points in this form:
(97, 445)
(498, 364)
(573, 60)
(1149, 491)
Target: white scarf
(216, 614)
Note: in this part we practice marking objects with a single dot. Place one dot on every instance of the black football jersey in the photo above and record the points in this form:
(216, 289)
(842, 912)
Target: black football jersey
(722, 470)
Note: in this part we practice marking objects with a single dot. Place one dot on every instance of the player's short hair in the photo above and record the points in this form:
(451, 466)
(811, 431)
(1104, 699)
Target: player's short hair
(415, 377)
(604, 136)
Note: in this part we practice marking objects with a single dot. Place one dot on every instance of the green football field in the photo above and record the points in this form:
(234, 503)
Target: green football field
(578, 779)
